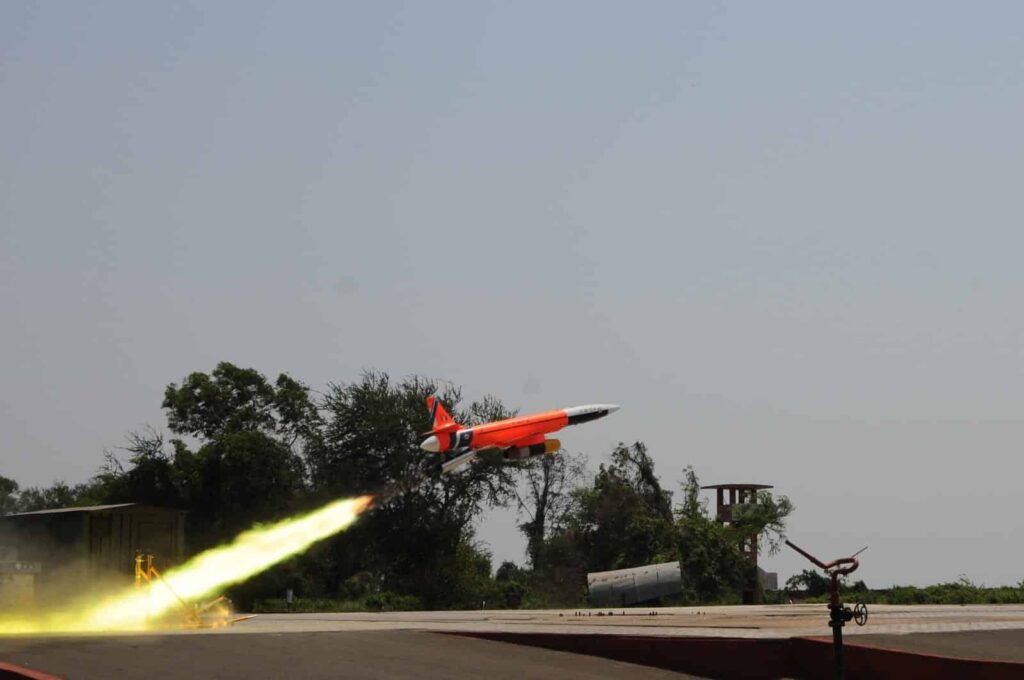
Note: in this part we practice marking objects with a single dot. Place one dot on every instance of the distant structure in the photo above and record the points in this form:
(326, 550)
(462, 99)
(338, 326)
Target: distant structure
(769, 580)
(624, 587)
(728, 497)
(74, 548)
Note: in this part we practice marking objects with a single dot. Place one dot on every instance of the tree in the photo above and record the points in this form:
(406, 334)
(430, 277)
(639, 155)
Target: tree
(692, 506)
(250, 435)
(810, 582)
(544, 497)
(709, 558)
(638, 469)
(151, 476)
(420, 537)
(625, 518)
(60, 495)
(765, 518)
(233, 399)
(713, 568)
(511, 584)
(235, 481)
(8, 495)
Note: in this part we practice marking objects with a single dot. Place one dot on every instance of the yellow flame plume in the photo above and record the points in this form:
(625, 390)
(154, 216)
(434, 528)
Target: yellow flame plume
(250, 553)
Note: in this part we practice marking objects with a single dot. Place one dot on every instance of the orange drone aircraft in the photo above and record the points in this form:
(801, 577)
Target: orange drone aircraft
(518, 438)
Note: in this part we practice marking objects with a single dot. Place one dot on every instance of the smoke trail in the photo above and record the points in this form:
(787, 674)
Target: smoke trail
(250, 553)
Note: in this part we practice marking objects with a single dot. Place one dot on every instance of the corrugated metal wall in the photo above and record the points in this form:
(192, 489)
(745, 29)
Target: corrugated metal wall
(82, 548)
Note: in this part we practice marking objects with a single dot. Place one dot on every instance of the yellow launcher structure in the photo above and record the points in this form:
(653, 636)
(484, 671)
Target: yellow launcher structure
(212, 614)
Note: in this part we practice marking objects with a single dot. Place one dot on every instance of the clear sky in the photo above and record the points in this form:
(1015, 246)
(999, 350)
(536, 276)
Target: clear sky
(786, 237)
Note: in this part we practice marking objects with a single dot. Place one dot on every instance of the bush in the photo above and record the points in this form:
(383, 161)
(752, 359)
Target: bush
(961, 592)
(388, 601)
(379, 602)
(306, 605)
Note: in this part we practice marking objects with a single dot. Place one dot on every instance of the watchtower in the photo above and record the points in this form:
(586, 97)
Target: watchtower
(728, 497)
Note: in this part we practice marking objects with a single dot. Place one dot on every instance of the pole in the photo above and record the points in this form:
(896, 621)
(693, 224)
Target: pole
(837, 640)
(838, 614)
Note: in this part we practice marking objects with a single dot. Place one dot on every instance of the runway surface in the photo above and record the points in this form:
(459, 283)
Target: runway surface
(758, 621)
(357, 655)
(991, 645)
(408, 644)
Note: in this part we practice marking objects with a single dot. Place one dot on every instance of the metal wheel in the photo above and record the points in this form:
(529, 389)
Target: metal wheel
(860, 613)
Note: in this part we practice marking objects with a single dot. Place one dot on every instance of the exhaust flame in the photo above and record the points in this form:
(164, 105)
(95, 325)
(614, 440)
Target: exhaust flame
(250, 553)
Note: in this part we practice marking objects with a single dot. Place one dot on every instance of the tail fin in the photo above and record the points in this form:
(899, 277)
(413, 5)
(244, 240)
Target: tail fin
(440, 421)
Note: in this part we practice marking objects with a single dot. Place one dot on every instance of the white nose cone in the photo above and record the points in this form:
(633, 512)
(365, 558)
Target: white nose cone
(583, 414)
(431, 444)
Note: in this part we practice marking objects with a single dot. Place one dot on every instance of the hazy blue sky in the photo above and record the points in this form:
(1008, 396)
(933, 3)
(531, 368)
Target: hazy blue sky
(786, 237)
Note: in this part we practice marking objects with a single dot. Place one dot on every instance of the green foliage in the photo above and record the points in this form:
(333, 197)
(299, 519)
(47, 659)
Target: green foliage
(810, 583)
(962, 591)
(765, 517)
(152, 473)
(692, 506)
(232, 399)
(545, 497)
(8, 495)
(712, 566)
(386, 601)
(58, 495)
(223, 478)
(247, 429)
(625, 518)
(253, 451)
(420, 540)
(511, 584)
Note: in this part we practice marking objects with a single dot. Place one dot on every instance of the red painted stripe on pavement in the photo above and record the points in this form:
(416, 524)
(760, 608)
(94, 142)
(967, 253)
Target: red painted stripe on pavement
(8, 671)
